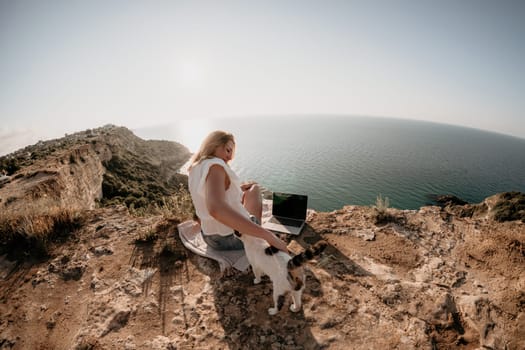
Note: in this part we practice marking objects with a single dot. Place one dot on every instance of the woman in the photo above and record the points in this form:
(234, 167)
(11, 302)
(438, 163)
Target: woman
(222, 203)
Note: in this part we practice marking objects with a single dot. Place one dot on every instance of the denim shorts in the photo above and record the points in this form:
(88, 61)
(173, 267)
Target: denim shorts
(229, 242)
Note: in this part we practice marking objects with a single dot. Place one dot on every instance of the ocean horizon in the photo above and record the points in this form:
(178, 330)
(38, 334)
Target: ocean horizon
(339, 161)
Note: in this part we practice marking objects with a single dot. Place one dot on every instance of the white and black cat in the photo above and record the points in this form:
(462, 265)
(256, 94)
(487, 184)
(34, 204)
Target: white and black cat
(285, 271)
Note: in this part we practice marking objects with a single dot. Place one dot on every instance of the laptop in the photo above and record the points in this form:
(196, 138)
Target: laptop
(288, 213)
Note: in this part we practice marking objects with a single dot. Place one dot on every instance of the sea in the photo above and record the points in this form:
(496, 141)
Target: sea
(352, 160)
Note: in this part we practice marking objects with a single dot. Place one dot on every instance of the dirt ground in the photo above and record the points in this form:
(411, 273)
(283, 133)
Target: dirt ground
(425, 280)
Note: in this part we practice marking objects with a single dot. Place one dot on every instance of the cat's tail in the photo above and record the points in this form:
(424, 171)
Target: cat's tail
(308, 254)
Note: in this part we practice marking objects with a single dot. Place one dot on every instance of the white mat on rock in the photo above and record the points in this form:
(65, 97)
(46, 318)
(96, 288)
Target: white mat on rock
(191, 236)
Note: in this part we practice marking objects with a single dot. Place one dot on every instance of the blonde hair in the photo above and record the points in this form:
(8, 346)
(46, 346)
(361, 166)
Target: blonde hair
(209, 145)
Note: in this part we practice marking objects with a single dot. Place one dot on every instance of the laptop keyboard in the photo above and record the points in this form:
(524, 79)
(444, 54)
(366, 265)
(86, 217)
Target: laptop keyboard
(286, 221)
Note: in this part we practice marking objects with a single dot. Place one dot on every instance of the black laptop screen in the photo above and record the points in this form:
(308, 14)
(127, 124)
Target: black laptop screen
(289, 205)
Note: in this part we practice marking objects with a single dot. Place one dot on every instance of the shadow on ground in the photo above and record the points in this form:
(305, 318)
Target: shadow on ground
(168, 256)
(242, 307)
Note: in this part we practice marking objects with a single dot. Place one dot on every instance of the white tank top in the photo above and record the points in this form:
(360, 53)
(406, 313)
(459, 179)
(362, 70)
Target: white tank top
(197, 186)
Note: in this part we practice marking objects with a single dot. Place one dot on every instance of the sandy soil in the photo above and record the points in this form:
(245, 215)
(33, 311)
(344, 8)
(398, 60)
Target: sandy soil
(425, 280)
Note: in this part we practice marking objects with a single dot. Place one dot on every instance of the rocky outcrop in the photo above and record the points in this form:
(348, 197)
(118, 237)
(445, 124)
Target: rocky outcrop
(72, 177)
(82, 169)
(441, 277)
(501, 207)
(428, 279)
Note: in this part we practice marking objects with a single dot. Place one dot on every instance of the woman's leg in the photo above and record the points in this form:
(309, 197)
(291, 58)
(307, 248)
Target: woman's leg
(252, 201)
(223, 242)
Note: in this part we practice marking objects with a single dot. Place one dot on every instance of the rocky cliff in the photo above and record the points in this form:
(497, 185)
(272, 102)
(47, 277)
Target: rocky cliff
(102, 164)
(442, 277)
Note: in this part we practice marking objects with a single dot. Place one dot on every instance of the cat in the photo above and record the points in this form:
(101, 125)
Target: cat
(286, 272)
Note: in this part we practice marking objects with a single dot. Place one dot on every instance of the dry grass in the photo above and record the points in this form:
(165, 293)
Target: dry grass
(179, 205)
(382, 204)
(382, 214)
(148, 236)
(31, 229)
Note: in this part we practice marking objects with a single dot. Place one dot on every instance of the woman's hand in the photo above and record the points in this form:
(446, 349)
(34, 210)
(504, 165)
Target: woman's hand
(247, 185)
(277, 243)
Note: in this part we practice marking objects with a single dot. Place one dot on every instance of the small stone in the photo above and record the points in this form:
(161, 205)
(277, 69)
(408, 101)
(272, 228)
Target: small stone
(276, 346)
(119, 320)
(72, 273)
(51, 323)
(178, 320)
(52, 268)
(99, 251)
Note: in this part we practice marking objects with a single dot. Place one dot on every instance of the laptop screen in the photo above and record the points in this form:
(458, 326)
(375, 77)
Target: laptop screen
(289, 205)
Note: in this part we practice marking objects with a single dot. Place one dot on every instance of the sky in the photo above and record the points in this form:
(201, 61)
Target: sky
(69, 65)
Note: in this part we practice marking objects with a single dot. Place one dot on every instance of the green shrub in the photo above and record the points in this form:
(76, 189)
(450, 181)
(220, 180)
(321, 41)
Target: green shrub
(10, 165)
(510, 206)
(131, 181)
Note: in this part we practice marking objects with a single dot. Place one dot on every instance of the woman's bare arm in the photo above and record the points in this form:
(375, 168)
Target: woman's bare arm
(220, 210)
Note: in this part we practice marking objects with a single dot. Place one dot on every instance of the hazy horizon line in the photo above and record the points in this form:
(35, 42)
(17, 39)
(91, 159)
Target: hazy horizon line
(16, 139)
